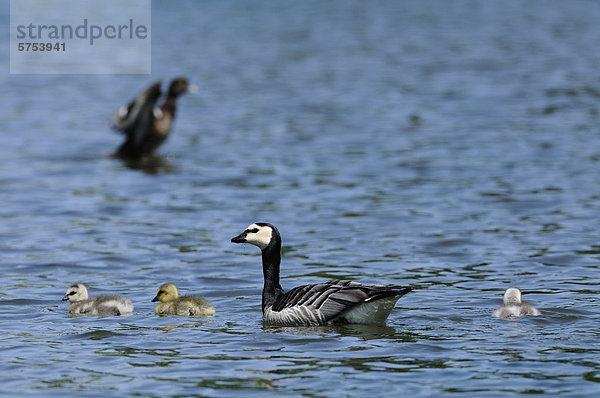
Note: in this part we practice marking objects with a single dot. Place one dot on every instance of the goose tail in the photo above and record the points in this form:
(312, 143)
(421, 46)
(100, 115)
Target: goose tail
(389, 291)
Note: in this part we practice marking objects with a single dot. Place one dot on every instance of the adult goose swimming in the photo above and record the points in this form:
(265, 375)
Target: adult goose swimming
(146, 126)
(514, 306)
(109, 304)
(337, 301)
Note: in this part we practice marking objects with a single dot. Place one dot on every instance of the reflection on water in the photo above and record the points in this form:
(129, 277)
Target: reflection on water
(153, 164)
(173, 328)
(364, 332)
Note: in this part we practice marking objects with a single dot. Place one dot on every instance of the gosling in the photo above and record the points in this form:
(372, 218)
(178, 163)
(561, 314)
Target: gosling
(172, 304)
(513, 306)
(82, 304)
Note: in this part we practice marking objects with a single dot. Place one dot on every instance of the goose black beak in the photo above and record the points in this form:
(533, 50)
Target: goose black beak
(155, 298)
(241, 238)
(66, 298)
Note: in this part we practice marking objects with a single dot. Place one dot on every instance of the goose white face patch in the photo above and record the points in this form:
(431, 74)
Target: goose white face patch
(259, 236)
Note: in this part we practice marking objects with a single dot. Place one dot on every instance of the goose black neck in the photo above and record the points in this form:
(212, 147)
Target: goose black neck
(271, 259)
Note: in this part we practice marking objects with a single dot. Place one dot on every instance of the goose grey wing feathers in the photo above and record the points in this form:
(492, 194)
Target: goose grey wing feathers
(335, 297)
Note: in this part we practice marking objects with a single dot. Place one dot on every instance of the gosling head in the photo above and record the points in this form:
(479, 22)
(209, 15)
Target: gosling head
(512, 296)
(76, 292)
(259, 234)
(167, 292)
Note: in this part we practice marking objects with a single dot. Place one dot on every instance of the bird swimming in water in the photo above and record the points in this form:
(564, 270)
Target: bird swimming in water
(82, 304)
(337, 301)
(513, 306)
(146, 126)
(172, 304)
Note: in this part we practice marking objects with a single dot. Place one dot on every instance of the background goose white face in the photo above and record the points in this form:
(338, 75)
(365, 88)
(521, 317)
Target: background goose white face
(76, 292)
(257, 235)
(512, 296)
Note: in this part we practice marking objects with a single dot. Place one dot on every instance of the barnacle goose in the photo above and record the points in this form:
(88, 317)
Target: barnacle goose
(145, 126)
(337, 301)
(172, 304)
(77, 294)
(513, 306)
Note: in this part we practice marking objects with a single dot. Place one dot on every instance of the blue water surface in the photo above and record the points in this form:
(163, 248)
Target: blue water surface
(450, 145)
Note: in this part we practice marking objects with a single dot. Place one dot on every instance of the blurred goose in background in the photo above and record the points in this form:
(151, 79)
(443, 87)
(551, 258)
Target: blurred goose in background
(337, 301)
(513, 306)
(81, 303)
(172, 304)
(146, 126)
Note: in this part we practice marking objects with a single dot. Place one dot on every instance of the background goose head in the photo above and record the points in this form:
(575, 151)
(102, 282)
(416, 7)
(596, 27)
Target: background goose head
(512, 296)
(181, 85)
(259, 234)
(76, 292)
(167, 292)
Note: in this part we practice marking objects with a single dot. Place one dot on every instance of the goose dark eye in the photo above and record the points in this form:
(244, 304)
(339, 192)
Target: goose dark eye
(72, 293)
(253, 231)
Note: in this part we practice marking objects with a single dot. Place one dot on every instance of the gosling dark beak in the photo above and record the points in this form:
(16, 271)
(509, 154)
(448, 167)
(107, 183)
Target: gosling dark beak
(66, 298)
(241, 238)
(155, 298)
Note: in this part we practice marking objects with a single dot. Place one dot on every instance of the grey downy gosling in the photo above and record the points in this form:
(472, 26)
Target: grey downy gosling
(108, 304)
(337, 301)
(172, 304)
(145, 125)
(513, 306)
